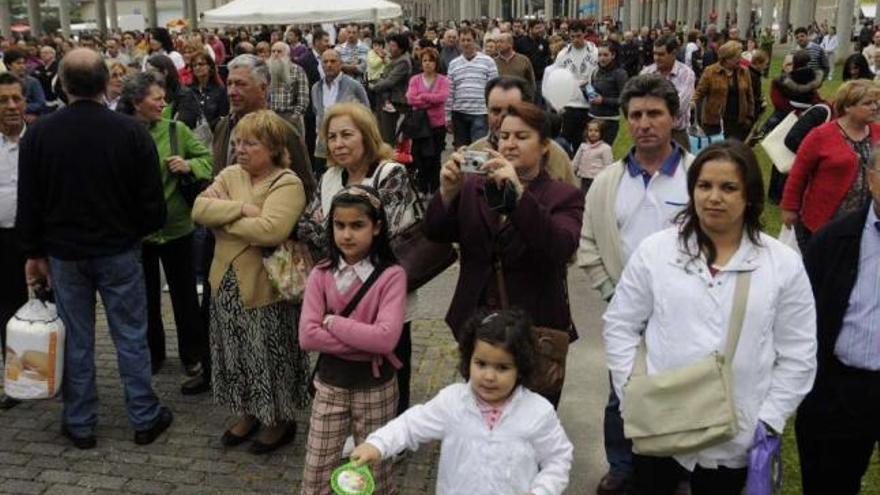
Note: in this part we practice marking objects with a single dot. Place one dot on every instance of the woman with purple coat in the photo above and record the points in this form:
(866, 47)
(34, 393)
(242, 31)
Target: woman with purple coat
(510, 214)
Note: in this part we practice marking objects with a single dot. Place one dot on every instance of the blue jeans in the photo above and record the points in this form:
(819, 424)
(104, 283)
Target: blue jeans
(120, 281)
(618, 450)
(467, 128)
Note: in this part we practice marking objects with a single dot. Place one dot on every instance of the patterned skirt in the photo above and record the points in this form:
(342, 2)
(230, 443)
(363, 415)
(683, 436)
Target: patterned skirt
(258, 367)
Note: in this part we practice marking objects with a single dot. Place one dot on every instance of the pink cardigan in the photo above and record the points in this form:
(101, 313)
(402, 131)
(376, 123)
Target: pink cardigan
(372, 330)
(434, 99)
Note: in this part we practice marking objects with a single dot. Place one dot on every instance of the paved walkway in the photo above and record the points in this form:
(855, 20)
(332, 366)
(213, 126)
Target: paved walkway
(35, 459)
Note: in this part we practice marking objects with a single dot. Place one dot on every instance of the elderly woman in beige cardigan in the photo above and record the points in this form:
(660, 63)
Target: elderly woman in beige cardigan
(258, 370)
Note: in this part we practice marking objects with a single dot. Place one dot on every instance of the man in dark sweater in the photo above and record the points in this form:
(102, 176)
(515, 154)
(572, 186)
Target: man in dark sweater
(88, 191)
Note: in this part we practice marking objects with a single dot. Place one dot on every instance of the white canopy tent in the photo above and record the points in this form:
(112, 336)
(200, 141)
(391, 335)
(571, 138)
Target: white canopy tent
(301, 12)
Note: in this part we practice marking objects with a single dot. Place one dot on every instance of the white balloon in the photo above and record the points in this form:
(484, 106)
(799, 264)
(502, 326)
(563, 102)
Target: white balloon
(559, 87)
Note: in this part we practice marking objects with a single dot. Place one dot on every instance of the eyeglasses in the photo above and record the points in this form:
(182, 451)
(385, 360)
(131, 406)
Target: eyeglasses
(200, 64)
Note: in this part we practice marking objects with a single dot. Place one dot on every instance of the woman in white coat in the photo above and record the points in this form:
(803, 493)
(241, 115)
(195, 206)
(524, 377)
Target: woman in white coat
(678, 290)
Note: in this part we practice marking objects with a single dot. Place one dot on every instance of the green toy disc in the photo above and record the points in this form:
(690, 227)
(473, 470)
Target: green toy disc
(350, 480)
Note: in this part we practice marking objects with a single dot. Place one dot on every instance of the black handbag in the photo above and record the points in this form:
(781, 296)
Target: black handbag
(190, 186)
(415, 124)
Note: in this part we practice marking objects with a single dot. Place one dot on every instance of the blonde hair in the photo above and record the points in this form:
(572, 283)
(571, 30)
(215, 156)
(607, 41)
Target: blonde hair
(852, 92)
(375, 149)
(730, 50)
(269, 129)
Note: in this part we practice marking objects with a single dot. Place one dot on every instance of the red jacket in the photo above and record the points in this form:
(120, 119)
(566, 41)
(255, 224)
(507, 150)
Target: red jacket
(823, 172)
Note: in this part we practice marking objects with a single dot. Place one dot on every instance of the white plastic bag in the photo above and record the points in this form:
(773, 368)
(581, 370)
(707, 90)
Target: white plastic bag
(789, 238)
(34, 361)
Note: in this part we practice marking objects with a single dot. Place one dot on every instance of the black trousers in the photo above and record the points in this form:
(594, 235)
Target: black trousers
(661, 476)
(403, 351)
(13, 289)
(837, 430)
(428, 167)
(177, 261)
(574, 121)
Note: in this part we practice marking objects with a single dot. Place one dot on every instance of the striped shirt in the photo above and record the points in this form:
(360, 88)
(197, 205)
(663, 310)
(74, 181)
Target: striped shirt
(682, 77)
(467, 84)
(858, 344)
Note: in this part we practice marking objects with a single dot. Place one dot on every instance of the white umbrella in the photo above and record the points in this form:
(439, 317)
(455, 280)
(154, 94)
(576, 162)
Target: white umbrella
(301, 12)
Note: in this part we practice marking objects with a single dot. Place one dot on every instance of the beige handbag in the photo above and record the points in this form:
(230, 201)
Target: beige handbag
(688, 408)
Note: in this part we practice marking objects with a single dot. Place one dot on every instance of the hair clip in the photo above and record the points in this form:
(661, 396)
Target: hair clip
(488, 318)
(363, 193)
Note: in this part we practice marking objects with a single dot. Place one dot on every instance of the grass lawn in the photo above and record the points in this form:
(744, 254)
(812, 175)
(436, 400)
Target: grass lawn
(792, 482)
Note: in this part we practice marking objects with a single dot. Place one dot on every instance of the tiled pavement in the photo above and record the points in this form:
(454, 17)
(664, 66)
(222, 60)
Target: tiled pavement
(35, 459)
(188, 459)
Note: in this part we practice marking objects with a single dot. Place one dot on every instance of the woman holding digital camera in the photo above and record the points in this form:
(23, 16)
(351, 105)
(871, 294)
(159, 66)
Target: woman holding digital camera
(510, 215)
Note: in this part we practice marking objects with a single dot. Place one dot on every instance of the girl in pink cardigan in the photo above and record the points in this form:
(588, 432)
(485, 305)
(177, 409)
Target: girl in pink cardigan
(353, 312)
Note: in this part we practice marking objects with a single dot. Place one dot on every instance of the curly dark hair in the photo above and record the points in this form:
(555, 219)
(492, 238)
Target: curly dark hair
(508, 328)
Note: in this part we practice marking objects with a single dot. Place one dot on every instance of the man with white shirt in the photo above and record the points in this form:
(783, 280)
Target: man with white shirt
(13, 290)
(581, 58)
(334, 87)
(630, 200)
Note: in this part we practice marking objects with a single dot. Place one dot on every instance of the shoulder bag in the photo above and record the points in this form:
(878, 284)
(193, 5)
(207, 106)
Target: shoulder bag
(698, 139)
(190, 186)
(551, 345)
(288, 265)
(345, 313)
(690, 408)
(421, 258)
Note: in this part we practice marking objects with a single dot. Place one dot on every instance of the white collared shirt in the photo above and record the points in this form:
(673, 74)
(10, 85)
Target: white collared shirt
(346, 275)
(8, 179)
(320, 66)
(331, 91)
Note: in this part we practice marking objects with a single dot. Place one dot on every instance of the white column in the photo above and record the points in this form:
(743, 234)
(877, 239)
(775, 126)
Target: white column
(693, 13)
(743, 15)
(462, 6)
(6, 18)
(681, 13)
(844, 27)
(785, 19)
(111, 13)
(548, 9)
(34, 17)
(194, 9)
(671, 5)
(101, 14)
(767, 13)
(152, 13)
(635, 12)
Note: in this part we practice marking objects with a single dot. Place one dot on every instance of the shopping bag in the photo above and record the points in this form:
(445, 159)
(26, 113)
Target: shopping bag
(34, 351)
(774, 144)
(765, 463)
(788, 237)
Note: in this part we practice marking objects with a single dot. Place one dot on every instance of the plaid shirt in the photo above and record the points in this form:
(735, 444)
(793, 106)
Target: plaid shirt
(292, 97)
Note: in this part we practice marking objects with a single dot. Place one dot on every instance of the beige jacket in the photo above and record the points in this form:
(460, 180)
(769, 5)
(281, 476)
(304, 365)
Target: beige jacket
(240, 240)
(599, 250)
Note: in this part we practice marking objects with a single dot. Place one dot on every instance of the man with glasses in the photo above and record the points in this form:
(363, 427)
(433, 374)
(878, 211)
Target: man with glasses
(581, 58)
(836, 424)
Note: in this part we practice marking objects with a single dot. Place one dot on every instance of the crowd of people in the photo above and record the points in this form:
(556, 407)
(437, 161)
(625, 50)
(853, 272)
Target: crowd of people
(201, 153)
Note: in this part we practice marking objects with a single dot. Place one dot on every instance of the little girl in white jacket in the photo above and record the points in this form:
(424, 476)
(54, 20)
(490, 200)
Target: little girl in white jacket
(498, 437)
